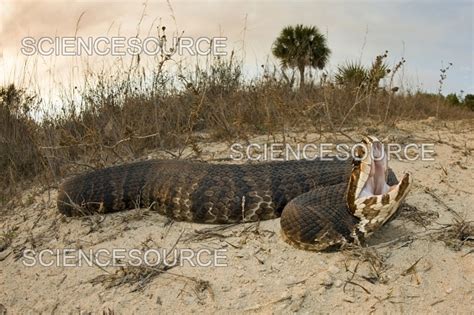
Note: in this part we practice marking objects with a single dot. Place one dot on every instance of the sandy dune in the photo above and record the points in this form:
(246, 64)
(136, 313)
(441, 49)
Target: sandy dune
(416, 263)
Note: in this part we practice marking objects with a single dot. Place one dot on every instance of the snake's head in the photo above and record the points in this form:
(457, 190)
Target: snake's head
(374, 194)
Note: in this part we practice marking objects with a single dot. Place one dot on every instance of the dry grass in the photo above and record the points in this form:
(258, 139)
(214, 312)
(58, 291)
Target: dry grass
(457, 234)
(139, 276)
(6, 237)
(20, 157)
(368, 260)
(126, 114)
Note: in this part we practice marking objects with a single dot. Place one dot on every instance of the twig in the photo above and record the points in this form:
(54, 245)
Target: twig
(359, 285)
(438, 199)
(98, 144)
(258, 307)
(412, 268)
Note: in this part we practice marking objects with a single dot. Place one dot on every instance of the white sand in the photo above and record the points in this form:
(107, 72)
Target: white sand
(264, 274)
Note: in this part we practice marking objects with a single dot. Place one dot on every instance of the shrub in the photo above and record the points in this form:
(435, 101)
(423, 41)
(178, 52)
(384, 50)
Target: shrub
(469, 101)
(19, 155)
(352, 74)
(453, 99)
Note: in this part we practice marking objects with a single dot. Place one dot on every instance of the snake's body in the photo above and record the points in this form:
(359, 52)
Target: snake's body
(309, 196)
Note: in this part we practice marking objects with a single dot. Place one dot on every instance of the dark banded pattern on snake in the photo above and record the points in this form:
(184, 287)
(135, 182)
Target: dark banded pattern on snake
(312, 195)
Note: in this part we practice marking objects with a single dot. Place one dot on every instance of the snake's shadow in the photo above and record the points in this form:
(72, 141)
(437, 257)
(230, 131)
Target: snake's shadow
(390, 232)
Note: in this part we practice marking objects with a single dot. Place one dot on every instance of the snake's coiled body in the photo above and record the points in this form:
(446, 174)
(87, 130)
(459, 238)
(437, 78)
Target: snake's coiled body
(310, 196)
(198, 191)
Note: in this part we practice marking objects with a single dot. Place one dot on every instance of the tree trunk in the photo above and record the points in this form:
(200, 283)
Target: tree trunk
(301, 68)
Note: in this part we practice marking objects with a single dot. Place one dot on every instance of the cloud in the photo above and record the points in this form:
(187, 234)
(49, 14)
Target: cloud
(426, 33)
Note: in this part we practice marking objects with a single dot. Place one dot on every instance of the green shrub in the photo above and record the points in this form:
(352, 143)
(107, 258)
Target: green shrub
(453, 99)
(469, 101)
(351, 74)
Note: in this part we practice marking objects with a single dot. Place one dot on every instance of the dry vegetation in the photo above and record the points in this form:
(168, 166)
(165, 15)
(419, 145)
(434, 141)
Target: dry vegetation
(123, 115)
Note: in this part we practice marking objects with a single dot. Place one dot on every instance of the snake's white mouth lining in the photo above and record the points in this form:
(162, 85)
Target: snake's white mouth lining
(376, 201)
(374, 170)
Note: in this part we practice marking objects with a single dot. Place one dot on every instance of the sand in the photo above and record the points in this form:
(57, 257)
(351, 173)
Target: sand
(411, 265)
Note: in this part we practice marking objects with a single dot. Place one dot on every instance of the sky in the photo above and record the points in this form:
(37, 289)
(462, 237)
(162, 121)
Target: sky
(427, 34)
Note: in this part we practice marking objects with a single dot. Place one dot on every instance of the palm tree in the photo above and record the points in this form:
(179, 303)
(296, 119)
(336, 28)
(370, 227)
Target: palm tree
(301, 46)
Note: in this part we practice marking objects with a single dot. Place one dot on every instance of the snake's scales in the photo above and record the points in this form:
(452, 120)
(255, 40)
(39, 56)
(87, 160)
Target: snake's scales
(310, 196)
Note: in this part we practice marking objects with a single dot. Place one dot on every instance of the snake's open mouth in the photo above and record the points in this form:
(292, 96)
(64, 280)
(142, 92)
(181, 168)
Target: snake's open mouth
(376, 167)
(373, 197)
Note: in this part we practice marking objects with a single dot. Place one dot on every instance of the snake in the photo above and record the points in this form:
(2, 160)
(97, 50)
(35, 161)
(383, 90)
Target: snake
(322, 203)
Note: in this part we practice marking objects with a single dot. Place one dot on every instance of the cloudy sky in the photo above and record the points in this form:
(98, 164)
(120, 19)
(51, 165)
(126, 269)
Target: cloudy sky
(428, 34)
